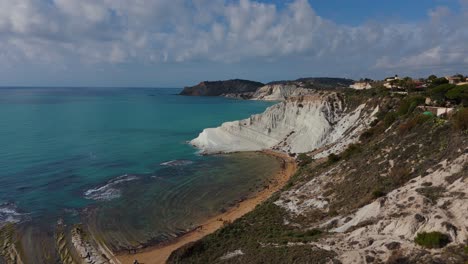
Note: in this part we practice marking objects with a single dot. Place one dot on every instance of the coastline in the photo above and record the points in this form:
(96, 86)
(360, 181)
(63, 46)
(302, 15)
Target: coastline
(160, 253)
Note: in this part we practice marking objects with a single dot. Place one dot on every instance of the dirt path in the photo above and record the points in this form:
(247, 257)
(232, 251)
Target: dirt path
(159, 254)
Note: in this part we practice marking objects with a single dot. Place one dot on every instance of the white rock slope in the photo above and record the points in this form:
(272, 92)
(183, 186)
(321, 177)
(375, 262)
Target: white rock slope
(295, 126)
(279, 92)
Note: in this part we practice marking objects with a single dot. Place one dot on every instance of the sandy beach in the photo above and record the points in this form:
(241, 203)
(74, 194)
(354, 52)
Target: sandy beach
(160, 253)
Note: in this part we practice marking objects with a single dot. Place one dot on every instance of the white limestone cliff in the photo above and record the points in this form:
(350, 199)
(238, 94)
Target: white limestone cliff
(294, 126)
(278, 92)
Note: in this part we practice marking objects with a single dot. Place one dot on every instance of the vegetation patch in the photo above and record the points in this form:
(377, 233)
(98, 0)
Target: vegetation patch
(352, 150)
(432, 239)
(460, 119)
(408, 105)
(304, 159)
(333, 158)
(377, 193)
(412, 123)
(432, 193)
(261, 235)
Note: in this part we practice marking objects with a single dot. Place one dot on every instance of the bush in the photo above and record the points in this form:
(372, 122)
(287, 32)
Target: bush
(459, 94)
(438, 93)
(366, 134)
(460, 119)
(408, 105)
(412, 123)
(378, 193)
(332, 158)
(351, 150)
(304, 159)
(399, 175)
(439, 81)
(433, 193)
(389, 118)
(432, 240)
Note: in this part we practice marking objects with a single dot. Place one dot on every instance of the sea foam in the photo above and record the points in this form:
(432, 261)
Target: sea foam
(110, 190)
(9, 214)
(177, 163)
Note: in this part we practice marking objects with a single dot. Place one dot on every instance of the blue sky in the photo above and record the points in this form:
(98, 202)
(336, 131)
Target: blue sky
(360, 11)
(172, 43)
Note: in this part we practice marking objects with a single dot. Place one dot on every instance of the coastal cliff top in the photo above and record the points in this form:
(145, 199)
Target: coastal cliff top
(317, 82)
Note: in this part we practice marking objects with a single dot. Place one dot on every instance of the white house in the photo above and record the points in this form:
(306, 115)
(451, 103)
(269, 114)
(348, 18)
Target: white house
(388, 82)
(453, 79)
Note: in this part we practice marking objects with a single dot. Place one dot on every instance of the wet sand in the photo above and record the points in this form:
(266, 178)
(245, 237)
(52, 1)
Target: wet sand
(160, 253)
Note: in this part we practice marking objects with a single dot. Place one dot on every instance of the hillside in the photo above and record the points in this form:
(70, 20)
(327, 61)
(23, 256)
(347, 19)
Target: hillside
(275, 91)
(217, 88)
(318, 82)
(396, 193)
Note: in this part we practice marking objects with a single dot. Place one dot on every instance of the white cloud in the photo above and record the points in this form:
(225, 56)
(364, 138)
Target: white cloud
(162, 31)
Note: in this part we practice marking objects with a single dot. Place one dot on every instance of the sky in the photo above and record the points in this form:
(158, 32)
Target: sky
(175, 43)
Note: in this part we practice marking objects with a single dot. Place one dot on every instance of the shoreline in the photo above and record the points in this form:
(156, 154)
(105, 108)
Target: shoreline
(160, 253)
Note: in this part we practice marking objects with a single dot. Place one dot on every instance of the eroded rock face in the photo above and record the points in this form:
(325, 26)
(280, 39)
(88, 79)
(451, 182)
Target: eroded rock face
(388, 225)
(218, 88)
(279, 92)
(293, 126)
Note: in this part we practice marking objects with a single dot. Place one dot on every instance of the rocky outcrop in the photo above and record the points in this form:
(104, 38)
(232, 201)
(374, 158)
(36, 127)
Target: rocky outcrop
(232, 88)
(294, 126)
(278, 92)
(398, 217)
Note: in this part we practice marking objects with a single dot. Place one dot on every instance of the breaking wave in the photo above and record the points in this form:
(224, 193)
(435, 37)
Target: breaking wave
(177, 163)
(9, 214)
(110, 190)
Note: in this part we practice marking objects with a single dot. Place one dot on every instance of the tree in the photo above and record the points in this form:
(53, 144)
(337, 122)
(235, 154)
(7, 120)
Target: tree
(439, 92)
(431, 77)
(459, 76)
(459, 94)
(439, 81)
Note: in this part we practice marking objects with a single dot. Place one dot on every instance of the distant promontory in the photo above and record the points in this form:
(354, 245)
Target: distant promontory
(217, 88)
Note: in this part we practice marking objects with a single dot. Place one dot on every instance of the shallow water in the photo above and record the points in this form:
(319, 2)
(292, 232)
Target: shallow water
(122, 150)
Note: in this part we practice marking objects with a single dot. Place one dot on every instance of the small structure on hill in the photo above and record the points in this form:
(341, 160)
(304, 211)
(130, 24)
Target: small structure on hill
(390, 82)
(454, 79)
(463, 82)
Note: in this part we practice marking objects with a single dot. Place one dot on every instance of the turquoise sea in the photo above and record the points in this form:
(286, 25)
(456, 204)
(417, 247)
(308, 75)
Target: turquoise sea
(120, 153)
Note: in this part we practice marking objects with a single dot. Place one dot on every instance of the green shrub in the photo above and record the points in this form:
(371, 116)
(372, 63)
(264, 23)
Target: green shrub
(438, 92)
(332, 158)
(351, 150)
(433, 193)
(459, 94)
(439, 81)
(408, 105)
(460, 119)
(374, 122)
(432, 239)
(399, 175)
(378, 193)
(367, 134)
(304, 159)
(390, 118)
(412, 123)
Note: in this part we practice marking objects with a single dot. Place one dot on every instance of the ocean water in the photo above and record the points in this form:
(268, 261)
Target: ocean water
(120, 153)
